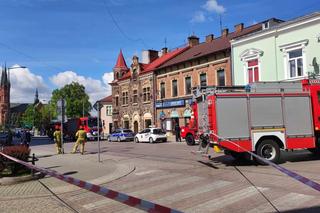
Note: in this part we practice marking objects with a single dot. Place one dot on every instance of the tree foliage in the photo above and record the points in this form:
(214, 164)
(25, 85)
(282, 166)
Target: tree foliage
(76, 98)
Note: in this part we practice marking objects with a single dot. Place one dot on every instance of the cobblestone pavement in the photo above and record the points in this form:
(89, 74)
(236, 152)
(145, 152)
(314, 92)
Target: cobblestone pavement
(169, 175)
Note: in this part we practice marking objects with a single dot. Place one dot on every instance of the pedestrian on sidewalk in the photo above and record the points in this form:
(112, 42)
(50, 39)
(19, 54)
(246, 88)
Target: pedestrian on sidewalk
(57, 139)
(178, 136)
(81, 136)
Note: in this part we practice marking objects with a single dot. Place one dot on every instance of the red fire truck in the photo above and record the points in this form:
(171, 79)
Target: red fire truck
(264, 117)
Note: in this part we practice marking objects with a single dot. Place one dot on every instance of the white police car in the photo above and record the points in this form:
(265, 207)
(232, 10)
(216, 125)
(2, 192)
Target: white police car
(121, 135)
(151, 135)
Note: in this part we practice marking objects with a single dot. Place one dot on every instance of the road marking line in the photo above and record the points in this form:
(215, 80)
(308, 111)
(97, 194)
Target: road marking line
(287, 202)
(194, 192)
(146, 172)
(221, 202)
(148, 191)
(131, 184)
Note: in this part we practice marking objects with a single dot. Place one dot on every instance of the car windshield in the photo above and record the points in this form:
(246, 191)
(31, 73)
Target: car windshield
(127, 131)
(158, 131)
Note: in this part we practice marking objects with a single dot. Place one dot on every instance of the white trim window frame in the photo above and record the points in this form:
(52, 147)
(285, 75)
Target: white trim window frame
(289, 48)
(249, 55)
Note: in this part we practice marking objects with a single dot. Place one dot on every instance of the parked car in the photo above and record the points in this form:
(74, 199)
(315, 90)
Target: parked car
(121, 135)
(151, 135)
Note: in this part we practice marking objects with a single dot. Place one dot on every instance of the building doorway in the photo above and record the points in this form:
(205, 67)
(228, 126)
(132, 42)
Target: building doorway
(147, 123)
(135, 126)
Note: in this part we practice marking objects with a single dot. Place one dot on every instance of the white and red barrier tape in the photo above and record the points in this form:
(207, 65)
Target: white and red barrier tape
(294, 175)
(114, 195)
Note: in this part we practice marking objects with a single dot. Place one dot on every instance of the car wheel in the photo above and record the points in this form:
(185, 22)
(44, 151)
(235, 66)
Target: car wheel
(190, 140)
(136, 140)
(151, 140)
(118, 139)
(269, 150)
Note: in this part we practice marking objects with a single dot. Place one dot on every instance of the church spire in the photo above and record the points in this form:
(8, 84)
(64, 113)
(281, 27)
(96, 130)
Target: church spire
(36, 97)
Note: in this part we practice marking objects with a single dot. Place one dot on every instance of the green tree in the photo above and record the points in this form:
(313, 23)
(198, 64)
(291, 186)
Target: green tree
(76, 98)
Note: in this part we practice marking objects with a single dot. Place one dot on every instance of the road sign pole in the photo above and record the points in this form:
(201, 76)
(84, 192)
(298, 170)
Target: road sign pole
(62, 121)
(98, 120)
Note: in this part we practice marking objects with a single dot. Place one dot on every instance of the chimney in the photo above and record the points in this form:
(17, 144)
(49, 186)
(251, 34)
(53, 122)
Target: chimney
(209, 38)
(149, 56)
(225, 32)
(238, 27)
(164, 50)
(193, 40)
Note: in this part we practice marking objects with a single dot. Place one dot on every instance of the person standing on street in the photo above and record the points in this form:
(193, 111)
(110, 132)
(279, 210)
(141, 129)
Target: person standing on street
(81, 136)
(178, 136)
(57, 140)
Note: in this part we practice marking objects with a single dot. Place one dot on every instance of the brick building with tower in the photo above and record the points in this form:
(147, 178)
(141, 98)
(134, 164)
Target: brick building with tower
(4, 97)
(133, 89)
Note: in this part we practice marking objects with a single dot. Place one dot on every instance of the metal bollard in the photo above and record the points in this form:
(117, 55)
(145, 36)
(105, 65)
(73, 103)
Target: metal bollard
(33, 163)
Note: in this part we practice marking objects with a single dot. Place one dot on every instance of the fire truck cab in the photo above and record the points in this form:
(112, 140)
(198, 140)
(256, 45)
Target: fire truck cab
(264, 118)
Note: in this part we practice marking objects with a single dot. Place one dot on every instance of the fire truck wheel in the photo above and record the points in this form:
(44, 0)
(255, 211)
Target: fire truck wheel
(136, 140)
(269, 150)
(190, 140)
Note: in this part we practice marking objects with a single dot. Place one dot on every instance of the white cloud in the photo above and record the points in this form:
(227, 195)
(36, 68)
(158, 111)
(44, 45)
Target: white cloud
(213, 6)
(96, 89)
(198, 17)
(24, 84)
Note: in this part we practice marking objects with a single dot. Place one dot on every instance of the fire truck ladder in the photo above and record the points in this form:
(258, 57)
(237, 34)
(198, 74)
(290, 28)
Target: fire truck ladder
(200, 94)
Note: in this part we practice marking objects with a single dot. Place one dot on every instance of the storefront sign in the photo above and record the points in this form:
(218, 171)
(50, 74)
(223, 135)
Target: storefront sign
(168, 104)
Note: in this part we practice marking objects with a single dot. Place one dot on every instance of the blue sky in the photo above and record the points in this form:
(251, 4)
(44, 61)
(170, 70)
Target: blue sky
(53, 36)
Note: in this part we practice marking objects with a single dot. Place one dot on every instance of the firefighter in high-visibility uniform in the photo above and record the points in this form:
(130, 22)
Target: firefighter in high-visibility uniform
(57, 140)
(81, 136)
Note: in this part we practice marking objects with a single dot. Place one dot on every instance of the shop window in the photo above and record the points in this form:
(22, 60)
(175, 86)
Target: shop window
(162, 90)
(221, 77)
(135, 96)
(188, 85)
(295, 62)
(146, 94)
(174, 88)
(253, 71)
(126, 124)
(203, 79)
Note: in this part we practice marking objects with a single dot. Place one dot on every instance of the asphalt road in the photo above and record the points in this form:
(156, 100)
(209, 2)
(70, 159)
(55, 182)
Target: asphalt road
(168, 174)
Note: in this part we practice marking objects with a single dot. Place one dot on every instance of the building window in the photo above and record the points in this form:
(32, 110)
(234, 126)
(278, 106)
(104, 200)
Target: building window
(174, 88)
(125, 98)
(135, 96)
(117, 100)
(203, 79)
(108, 110)
(253, 71)
(146, 94)
(295, 63)
(162, 90)
(188, 85)
(221, 77)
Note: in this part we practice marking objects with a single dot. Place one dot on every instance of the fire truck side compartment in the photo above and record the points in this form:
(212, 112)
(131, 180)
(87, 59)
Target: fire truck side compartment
(266, 112)
(232, 117)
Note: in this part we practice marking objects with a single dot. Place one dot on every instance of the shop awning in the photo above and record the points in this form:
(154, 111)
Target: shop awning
(174, 114)
(187, 113)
